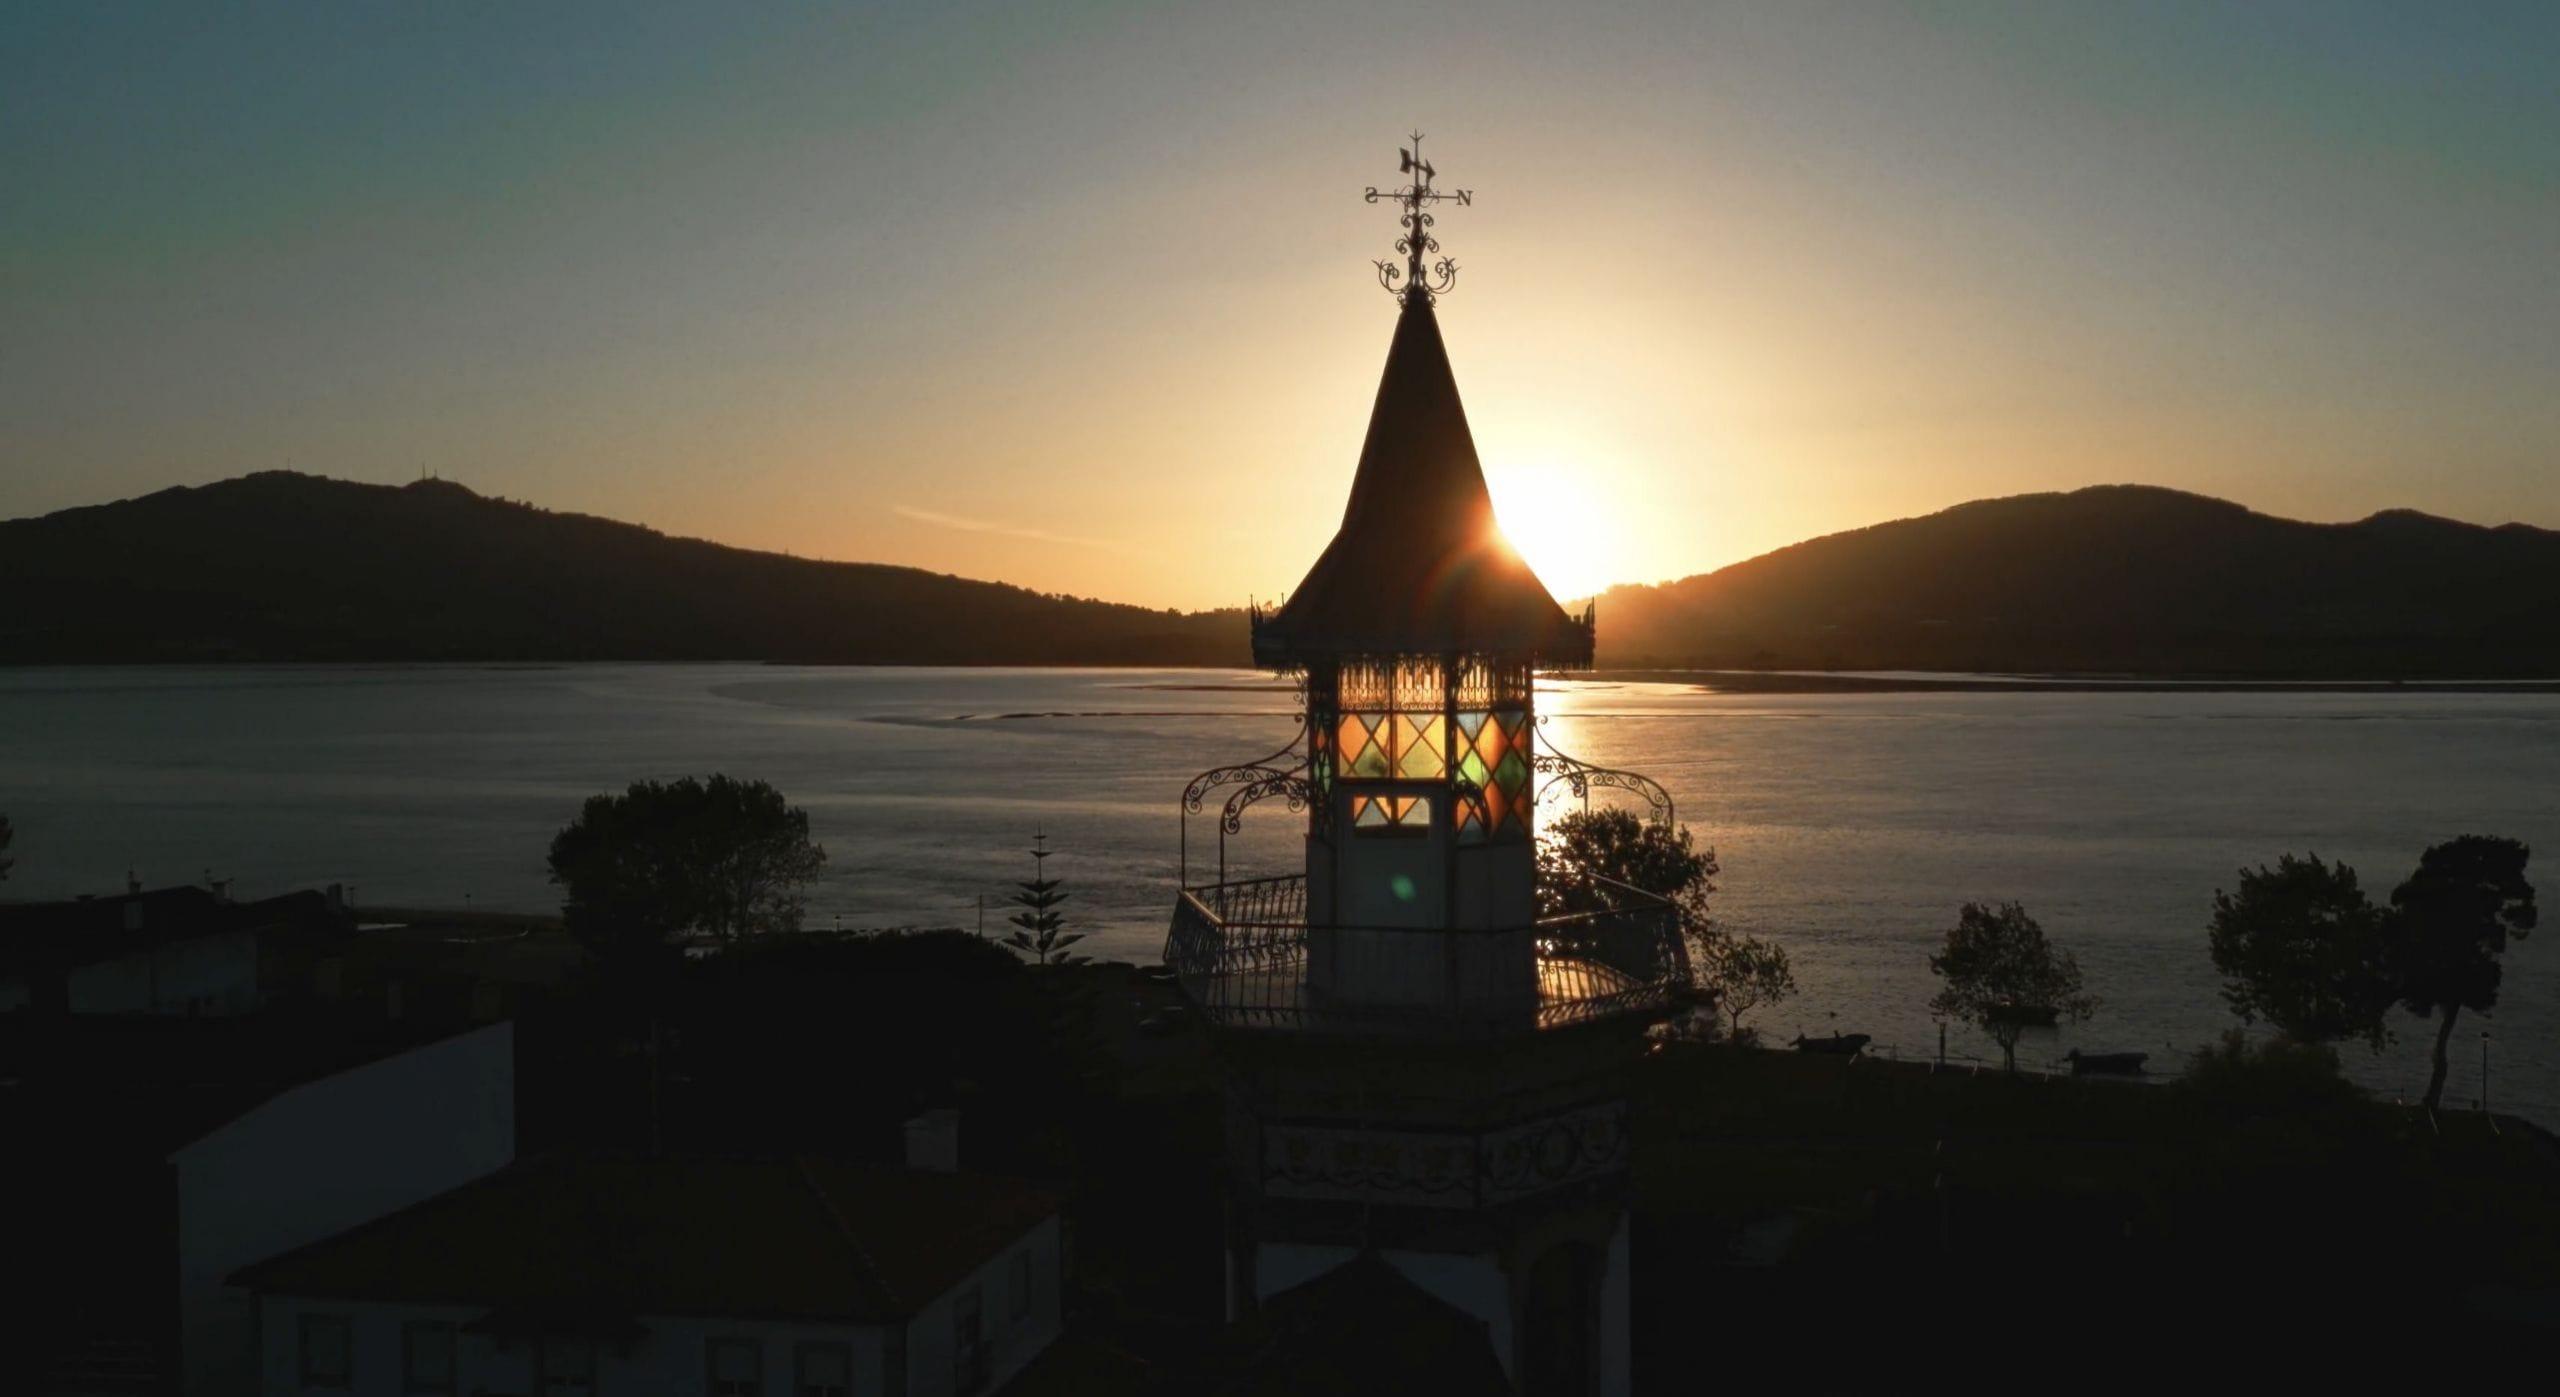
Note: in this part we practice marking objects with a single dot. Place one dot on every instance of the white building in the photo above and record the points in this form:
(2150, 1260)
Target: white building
(320, 1158)
(182, 951)
(734, 1278)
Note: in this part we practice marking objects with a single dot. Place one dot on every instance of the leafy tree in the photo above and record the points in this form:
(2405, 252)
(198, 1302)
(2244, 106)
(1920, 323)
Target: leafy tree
(1038, 935)
(2301, 946)
(2000, 971)
(1588, 849)
(2450, 923)
(1592, 845)
(1744, 973)
(665, 860)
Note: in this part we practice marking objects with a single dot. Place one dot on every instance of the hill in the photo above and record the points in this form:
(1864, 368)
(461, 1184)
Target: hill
(2118, 579)
(283, 566)
(2115, 579)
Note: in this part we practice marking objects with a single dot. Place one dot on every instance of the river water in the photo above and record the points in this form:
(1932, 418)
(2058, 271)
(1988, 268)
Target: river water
(1850, 825)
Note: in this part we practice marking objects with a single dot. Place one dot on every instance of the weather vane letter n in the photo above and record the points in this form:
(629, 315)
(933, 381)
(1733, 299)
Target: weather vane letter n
(1408, 282)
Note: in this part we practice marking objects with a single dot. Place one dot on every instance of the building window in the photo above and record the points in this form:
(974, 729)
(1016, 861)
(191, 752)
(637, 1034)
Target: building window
(568, 1367)
(1021, 1285)
(1391, 815)
(426, 1356)
(1495, 756)
(737, 1368)
(826, 1370)
(328, 1352)
(969, 1341)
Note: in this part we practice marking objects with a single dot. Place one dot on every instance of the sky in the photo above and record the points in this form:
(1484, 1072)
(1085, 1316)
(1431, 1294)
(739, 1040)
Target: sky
(1080, 297)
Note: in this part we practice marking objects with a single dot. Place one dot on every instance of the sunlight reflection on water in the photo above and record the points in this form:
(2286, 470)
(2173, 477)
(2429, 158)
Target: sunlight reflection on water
(1849, 825)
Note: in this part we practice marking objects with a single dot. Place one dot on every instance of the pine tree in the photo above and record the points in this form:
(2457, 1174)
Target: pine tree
(1039, 921)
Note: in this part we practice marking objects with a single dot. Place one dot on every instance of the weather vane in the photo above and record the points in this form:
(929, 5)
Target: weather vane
(1408, 281)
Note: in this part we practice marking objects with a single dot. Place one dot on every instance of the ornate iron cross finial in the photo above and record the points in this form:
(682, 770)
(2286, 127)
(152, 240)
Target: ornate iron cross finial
(1406, 282)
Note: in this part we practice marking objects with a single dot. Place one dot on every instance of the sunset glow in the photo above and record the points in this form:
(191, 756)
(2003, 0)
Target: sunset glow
(931, 285)
(1552, 515)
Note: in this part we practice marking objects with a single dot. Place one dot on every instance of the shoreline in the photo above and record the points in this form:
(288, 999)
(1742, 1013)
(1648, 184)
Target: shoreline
(1739, 681)
(1756, 681)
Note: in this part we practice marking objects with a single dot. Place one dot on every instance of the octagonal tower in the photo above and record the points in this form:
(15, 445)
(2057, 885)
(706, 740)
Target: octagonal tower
(1418, 1059)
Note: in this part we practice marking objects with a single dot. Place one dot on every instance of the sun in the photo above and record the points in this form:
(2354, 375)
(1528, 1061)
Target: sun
(1552, 517)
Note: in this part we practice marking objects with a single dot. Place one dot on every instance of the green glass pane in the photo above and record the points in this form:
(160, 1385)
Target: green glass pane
(1512, 774)
(1473, 768)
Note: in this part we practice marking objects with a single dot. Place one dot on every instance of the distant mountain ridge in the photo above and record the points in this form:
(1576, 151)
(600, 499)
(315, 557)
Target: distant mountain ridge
(283, 566)
(2118, 579)
(2113, 579)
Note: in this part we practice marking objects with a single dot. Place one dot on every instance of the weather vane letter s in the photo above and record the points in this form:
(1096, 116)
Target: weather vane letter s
(1408, 282)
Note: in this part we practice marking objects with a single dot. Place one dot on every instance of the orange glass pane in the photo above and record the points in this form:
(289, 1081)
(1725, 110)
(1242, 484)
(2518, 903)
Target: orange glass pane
(1364, 757)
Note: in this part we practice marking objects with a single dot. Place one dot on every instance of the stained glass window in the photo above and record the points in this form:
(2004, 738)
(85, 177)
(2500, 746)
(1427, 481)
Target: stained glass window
(1382, 814)
(1390, 721)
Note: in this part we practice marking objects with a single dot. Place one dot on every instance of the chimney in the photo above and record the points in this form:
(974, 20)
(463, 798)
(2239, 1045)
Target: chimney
(933, 1141)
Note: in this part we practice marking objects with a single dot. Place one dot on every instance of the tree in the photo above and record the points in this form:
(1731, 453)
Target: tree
(1587, 850)
(1588, 847)
(1744, 973)
(666, 860)
(1039, 920)
(2450, 923)
(2000, 971)
(2301, 946)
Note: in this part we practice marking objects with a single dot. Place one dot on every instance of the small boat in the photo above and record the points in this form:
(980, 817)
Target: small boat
(2030, 1015)
(2105, 1064)
(1837, 1045)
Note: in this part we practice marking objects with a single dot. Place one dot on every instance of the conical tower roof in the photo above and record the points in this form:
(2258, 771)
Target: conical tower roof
(1419, 567)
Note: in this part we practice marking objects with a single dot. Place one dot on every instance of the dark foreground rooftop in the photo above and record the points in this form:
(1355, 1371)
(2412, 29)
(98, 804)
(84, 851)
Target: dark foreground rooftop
(780, 1239)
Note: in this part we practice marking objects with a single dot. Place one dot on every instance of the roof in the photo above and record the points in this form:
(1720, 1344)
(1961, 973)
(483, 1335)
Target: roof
(92, 929)
(1362, 1327)
(1419, 565)
(781, 1239)
(175, 1079)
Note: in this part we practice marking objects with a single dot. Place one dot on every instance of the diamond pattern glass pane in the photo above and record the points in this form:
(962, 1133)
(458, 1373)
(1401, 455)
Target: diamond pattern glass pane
(1363, 755)
(1418, 756)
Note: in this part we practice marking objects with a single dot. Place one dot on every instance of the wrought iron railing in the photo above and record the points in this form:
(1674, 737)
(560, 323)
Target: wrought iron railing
(1241, 952)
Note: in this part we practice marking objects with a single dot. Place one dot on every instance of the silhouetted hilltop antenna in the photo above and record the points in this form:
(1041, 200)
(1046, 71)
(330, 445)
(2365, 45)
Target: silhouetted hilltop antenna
(1417, 238)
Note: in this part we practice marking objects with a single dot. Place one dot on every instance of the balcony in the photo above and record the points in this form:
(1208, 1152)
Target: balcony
(1247, 959)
